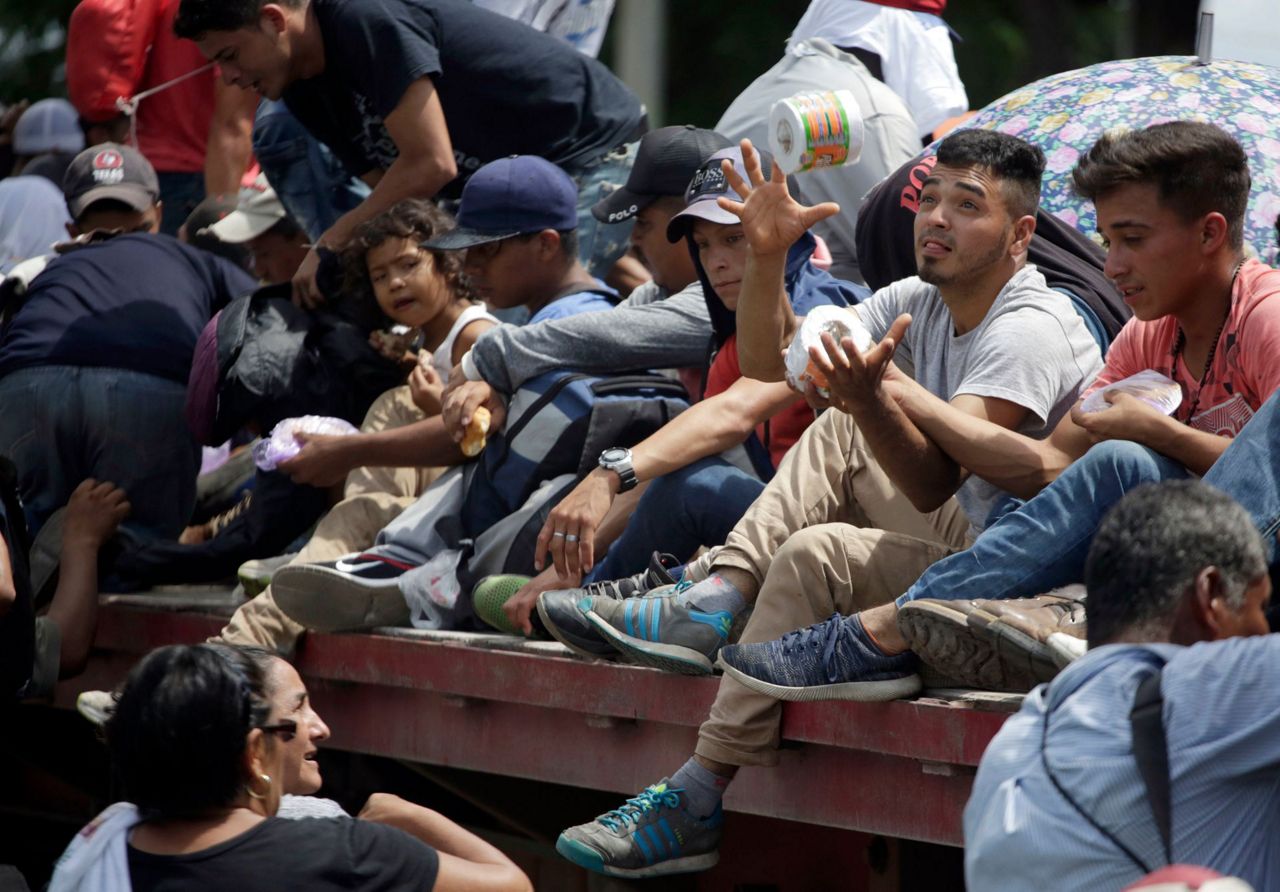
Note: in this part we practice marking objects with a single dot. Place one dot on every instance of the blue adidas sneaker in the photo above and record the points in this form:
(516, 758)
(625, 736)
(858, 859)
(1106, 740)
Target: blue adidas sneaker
(652, 835)
(832, 660)
(656, 631)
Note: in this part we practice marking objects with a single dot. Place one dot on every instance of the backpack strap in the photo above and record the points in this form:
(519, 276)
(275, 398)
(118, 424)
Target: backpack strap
(1151, 751)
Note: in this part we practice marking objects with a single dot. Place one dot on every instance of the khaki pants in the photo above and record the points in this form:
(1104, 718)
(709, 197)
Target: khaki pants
(830, 533)
(372, 498)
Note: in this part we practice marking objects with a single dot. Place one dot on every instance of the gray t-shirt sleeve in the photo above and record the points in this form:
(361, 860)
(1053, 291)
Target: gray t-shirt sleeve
(879, 310)
(1026, 357)
(670, 333)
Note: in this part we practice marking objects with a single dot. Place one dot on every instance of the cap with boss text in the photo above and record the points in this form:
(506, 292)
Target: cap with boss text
(110, 172)
(509, 197)
(710, 183)
(665, 160)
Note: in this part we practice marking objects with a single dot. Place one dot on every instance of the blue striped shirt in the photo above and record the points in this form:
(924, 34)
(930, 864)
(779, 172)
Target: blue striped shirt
(1222, 723)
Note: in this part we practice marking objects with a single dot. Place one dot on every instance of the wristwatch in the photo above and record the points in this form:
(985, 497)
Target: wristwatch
(618, 460)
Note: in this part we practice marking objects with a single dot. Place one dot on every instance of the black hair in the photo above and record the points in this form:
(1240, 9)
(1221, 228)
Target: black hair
(287, 228)
(1149, 549)
(568, 241)
(178, 733)
(204, 215)
(107, 206)
(1016, 163)
(196, 18)
(412, 218)
(1196, 168)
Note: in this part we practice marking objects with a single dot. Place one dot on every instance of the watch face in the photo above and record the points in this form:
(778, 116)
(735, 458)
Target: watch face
(613, 454)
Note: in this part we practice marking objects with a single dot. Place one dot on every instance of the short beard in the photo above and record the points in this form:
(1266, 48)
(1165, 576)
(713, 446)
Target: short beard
(930, 275)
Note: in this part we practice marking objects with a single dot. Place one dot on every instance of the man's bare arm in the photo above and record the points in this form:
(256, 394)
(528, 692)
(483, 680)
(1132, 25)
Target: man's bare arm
(230, 144)
(987, 448)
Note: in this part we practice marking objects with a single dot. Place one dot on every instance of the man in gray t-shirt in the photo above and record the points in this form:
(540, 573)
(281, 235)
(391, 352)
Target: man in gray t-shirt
(865, 501)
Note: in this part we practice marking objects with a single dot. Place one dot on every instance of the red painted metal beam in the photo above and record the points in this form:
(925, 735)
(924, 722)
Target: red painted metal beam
(901, 769)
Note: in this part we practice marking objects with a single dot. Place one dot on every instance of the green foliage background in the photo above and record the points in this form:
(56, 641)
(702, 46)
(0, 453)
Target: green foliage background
(716, 47)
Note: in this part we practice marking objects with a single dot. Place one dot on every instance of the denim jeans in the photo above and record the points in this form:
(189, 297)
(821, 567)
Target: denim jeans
(694, 506)
(62, 424)
(1043, 544)
(179, 194)
(1249, 472)
(311, 182)
(601, 244)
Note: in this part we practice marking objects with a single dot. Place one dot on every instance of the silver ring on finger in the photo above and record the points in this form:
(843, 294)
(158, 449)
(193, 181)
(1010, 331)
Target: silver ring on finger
(571, 538)
(559, 534)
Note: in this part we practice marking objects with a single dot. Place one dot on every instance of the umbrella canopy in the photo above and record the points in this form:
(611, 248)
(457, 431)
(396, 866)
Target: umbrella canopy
(1066, 113)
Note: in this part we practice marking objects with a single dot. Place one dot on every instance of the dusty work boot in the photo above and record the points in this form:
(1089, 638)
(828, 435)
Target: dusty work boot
(939, 631)
(1009, 644)
(1037, 636)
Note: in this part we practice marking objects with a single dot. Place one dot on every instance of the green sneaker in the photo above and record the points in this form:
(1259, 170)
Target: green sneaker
(491, 594)
(652, 835)
(656, 631)
(256, 575)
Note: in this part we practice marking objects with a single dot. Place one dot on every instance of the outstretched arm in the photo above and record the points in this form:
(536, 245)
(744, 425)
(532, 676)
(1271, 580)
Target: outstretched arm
(772, 222)
(425, 164)
(467, 862)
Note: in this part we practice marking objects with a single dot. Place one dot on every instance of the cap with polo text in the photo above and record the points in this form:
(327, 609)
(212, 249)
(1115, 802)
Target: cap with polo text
(665, 160)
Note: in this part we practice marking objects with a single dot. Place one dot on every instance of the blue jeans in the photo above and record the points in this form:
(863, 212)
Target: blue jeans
(1043, 544)
(179, 195)
(601, 244)
(1249, 472)
(63, 424)
(694, 506)
(311, 182)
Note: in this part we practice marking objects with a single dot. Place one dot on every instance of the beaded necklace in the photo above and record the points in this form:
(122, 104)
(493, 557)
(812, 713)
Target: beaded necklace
(1181, 343)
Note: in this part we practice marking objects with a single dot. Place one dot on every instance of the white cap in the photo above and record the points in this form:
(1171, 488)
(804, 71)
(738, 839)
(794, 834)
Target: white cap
(257, 210)
(50, 125)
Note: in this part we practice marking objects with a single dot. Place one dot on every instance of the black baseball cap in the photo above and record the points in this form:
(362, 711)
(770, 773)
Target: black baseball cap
(665, 160)
(110, 171)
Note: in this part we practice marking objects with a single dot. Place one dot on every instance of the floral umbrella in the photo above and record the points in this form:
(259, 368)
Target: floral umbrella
(1065, 113)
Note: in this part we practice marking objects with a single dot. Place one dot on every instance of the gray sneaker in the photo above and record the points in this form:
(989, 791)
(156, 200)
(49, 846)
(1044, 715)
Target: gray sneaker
(559, 611)
(652, 835)
(658, 632)
(353, 593)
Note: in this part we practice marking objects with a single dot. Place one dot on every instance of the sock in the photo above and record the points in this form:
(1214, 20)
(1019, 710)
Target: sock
(703, 788)
(854, 621)
(712, 594)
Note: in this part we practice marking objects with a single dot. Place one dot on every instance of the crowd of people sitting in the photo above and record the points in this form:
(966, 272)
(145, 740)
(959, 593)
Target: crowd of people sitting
(532, 379)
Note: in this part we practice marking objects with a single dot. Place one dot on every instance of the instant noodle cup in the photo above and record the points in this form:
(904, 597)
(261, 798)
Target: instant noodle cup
(810, 131)
(1156, 390)
(840, 323)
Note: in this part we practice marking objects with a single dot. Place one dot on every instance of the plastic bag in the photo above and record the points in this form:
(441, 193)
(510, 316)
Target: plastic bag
(282, 446)
(432, 591)
(1156, 390)
(836, 321)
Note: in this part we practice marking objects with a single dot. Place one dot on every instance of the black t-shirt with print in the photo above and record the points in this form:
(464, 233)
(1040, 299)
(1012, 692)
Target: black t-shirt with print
(505, 88)
(316, 854)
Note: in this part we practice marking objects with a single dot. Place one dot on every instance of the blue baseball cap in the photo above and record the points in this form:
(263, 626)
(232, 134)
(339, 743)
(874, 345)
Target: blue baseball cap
(509, 197)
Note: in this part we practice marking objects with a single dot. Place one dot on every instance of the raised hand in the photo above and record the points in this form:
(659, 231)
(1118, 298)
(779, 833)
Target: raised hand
(771, 219)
